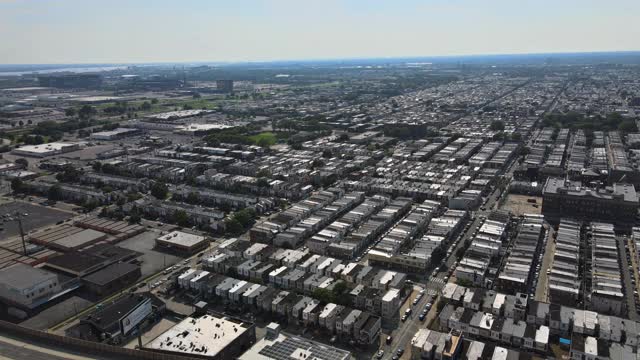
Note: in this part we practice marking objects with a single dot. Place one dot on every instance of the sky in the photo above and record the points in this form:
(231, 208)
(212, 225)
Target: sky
(130, 31)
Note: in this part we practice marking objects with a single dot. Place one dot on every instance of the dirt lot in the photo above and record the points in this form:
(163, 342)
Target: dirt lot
(518, 204)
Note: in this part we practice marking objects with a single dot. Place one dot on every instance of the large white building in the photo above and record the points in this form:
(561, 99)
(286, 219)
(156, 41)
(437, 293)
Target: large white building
(45, 150)
(27, 287)
(207, 337)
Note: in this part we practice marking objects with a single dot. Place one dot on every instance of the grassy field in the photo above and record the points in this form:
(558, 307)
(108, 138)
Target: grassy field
(264, 139)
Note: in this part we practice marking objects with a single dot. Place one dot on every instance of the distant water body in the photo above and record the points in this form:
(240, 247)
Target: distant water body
(70, 69)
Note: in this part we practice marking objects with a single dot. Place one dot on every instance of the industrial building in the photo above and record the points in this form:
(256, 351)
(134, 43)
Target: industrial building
(112, 278)
(114, 134)
(44, 150)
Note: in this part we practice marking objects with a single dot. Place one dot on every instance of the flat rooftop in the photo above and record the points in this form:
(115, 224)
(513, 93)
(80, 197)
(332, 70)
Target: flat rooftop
(110, 273)
(81, 238)
(45, 148)
(183, 239)
(22, 276)
(288, 347)
(562, 186)
(205, 336)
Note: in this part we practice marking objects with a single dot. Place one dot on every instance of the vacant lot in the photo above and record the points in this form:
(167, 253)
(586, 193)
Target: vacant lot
(519, 204)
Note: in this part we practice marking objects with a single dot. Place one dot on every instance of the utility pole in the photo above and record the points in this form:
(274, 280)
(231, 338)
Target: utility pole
(19, 220)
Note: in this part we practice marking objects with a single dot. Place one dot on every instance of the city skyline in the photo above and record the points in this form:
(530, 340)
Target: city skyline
(49, 32)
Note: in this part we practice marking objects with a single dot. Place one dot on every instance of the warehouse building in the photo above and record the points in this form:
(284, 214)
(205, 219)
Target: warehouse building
(112, 278)
(44, 150)
(115, 134)
(27, 287)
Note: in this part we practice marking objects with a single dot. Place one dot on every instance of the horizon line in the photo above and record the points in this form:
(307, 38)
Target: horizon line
(329, 59)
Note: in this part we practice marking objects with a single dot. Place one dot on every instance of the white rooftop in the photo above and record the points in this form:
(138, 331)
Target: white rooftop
(182, 238)
(206, 336)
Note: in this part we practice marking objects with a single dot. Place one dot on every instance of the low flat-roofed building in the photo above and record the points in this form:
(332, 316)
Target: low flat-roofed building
(44, 150)
(107, 318)
(182, 242)
(75, 264)
(78, 240)
(207, 337)
(112, 278)
(114, 134)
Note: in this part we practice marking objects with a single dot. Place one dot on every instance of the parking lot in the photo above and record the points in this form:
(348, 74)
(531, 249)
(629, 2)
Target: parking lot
(33, 217)
(153, 261)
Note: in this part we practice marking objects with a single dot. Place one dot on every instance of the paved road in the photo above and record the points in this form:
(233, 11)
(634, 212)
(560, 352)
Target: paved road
(17, 350)
(404, 333)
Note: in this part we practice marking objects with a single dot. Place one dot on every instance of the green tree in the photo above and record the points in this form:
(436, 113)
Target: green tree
(90, 204)
(54, 193)
(497, 125)
(245, 216)
(70, 112)
(17, 185)
(159, 190)
(262, 182)
(134, 219)
(69, 174)
(323, 295)
(327, 154)
(181, 218)
(154, 101)
(233, 226)
(145, 106)
(193, 198)
(627, 126)
(133, 195)
(86, 112)
(339, 289)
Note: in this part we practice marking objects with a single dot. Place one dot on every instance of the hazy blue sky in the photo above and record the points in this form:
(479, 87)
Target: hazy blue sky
(90, 31)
